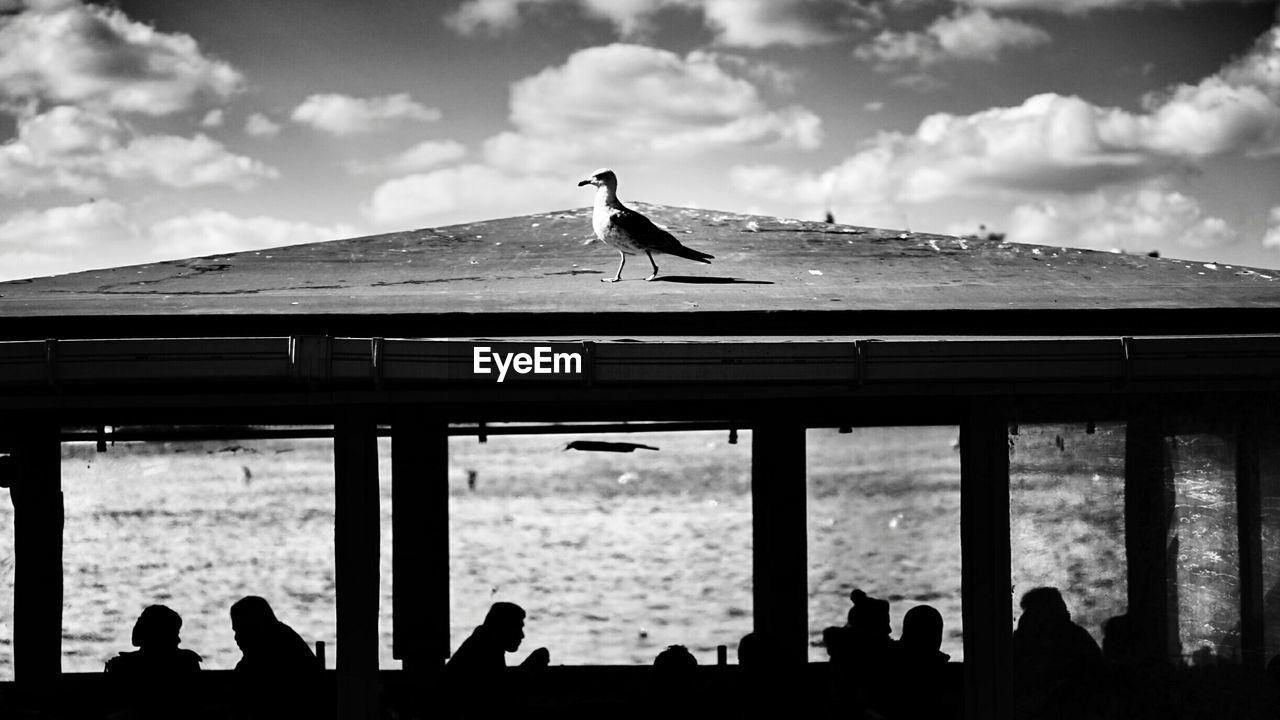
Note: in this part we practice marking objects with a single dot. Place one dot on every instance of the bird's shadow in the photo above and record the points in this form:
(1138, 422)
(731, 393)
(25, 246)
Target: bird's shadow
(709, 280)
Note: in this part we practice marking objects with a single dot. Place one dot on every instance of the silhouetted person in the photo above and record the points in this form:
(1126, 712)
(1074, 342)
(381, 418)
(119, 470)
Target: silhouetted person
(480, 684)
(279, 675)
(501, 633)
(1119, 639)
(869, 627)
(676, 691)
(154, 679)
(836, 641)
(676, 658)
(862, 654)
(1139, 680)
(767, 690)
(758, 650)
(1057, 666)
(919, 671)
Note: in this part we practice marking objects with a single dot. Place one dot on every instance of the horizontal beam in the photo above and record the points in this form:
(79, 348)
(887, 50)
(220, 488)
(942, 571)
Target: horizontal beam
(310, 362)
(1033, 321)
(224, 432)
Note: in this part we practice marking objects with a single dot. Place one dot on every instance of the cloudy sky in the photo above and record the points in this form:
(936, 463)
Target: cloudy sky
(134, 131)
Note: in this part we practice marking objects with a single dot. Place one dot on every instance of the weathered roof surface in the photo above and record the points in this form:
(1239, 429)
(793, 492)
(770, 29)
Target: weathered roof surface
(536, 274)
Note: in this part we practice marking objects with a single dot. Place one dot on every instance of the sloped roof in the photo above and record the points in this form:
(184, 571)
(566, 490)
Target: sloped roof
(535, 275)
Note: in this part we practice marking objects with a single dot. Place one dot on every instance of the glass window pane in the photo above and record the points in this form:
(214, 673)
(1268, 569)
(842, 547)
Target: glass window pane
(1204, 528)
(1066, 518)
(385, 581)
(1269, 480)
(195, 526)
(884, 517)
(6, 586)
(614, 556)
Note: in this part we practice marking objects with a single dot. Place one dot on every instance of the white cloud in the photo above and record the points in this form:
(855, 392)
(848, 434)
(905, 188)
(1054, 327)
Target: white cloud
(208, 232)
(64, 239)
(346, 115)
(106, 234)
(800, 23)
(1138, 220)
(1236, 110)
(213, 118)
(762, 72)
(259, 125)
(969, 35)
(1074, 7)
(465, 194)
(742, 23)
(1272, 237)
(185, 162)
(629, 100)
(1055, 143)
(423, 156)
(978, 35)
(70, 148)
(74, 227)
(492, 16)
(96, 56)
(1050, 143)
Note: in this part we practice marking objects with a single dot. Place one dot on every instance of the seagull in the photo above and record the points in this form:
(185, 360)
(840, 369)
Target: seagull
(628, 231)
(599, 446)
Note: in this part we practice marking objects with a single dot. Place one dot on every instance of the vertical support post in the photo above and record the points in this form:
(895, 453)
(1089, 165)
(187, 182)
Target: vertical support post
(780, 543)
(986, 603)
(420, 542)
(357, 549)
(1151, 553)
(1249, 514)
(36, 489)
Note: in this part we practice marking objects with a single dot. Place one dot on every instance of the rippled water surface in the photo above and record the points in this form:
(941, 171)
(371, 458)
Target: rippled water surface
(614, 555)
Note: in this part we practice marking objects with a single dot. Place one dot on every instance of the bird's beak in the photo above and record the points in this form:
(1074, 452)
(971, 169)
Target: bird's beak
(585, 182)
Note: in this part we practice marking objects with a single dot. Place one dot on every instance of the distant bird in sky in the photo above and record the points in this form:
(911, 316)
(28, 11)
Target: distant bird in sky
(600, 446)
(629, 232)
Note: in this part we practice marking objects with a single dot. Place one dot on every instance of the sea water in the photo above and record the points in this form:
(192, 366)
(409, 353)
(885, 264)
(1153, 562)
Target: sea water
(613, 555)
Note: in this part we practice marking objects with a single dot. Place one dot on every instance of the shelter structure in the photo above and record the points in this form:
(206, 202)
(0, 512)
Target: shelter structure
(795, 325)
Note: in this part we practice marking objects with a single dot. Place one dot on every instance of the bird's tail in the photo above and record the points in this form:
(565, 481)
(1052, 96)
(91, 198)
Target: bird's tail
(691, 254)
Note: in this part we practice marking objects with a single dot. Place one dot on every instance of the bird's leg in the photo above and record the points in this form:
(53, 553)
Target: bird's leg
(622, 260)
(654, 264)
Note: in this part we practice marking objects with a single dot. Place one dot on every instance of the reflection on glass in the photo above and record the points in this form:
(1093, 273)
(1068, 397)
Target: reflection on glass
(6, 586)
(195, 526)
(613, 555)
(1066, 518)
(884, 516)
(1269, 480)
(1204, 528)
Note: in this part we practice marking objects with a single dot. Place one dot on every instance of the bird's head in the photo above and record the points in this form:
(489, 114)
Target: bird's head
(603, 177)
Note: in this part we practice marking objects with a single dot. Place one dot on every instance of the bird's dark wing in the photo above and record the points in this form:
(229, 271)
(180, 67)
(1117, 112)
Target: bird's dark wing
(600, 446)
(644, 232)
(648, 236)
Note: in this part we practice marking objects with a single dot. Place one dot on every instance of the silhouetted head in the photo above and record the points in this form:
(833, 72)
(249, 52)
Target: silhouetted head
(869, 617)
(1043, 606)
(922, 630)
(157, 628)
(603, 177)
(836, 641)
(251, 616)
(505, 621)
(1118, 638)
(675, 657)
(758, 649)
